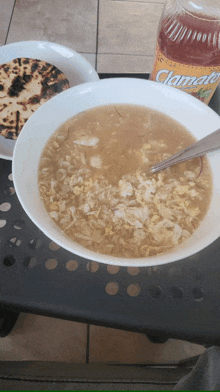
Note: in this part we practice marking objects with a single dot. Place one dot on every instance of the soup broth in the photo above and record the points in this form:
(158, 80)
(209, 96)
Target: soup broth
(95, 182)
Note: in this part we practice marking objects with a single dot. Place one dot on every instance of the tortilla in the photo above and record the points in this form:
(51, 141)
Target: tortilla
(25, 84)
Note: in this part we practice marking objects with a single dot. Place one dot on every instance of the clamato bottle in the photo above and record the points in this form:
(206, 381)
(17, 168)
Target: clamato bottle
(188, 47)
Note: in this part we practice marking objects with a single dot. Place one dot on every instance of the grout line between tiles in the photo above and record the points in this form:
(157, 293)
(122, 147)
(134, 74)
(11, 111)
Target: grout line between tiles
(97, 36)
(9, 25)
(128, 54)
(87, 343)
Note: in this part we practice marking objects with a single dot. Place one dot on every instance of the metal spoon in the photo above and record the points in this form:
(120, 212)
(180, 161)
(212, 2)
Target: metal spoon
(207, 144)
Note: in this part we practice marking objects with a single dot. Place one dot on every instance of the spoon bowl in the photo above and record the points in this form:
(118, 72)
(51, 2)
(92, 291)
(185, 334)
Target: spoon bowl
(201, 147)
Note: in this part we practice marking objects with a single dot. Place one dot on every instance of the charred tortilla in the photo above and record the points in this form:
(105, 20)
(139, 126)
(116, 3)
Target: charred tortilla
(25, 84)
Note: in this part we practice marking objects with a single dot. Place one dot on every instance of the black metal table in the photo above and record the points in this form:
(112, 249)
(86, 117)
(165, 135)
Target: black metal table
(179, 300)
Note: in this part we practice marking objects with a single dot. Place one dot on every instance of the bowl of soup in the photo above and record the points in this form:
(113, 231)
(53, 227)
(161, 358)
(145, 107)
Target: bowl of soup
(81, 170)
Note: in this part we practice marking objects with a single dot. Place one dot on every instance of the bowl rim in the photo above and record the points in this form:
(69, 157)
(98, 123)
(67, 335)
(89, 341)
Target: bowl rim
(132, 83)
(23, 44)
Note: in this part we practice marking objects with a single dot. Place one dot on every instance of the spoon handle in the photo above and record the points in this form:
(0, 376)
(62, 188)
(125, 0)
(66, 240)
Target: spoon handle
(207, 144)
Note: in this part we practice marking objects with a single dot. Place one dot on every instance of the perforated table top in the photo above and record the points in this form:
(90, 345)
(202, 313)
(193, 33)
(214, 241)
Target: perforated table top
(179, 300)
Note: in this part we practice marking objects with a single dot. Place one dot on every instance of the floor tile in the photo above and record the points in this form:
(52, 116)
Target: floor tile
(115, 346)
(41, 338)
(117, 63)
(67, 22)
(90, 57)
(128, 27)
(6, 7)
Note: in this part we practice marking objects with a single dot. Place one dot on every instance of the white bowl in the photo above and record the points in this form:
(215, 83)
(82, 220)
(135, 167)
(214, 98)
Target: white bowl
(190, 112)
(76, 68)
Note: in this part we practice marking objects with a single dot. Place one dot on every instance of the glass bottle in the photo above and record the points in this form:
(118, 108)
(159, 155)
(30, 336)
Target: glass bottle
(188, 47)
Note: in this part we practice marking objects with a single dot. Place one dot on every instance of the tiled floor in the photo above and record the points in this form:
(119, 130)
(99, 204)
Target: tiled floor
(115, 36)
(42, 338)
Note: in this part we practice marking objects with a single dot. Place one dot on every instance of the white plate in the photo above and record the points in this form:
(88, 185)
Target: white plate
(187, 110)
(76, 68)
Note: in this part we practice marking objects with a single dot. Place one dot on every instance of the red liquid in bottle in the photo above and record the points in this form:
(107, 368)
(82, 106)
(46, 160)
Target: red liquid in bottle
(188, 46)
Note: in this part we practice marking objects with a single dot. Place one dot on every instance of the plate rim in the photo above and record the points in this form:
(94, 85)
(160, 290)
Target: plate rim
(29, 44)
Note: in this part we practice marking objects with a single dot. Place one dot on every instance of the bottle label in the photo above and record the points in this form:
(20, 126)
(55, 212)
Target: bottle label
(200, 82)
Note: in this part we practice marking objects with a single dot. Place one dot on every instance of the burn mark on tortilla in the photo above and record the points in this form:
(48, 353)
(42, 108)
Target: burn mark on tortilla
(18, 84)
(2, 127)
(43, 69)
(19, 62)
(34, 99)
(27, 78)
(6, 69)
(49, 90)
(16, 87)
(17, 122)
(1, 87)
(56, 72)
(23, 104)
(4, 106)
(26, 61)
(10, 135)
(34, 67)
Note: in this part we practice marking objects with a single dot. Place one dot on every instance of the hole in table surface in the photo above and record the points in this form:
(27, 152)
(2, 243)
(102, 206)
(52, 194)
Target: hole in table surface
(9, 260)
(198, 294)
(133, 271)
(92, 266)
(4, 207)
(154, 291)
(19, 224)
(9, 191)
(155, 269)
(35, 243)
(112, 288)
(14, 242)
(2, 223)
(72, 265)
(30, 262)
(51, 264)
(133, 290)
(176, 292)
(53, 246)
(113, 269)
